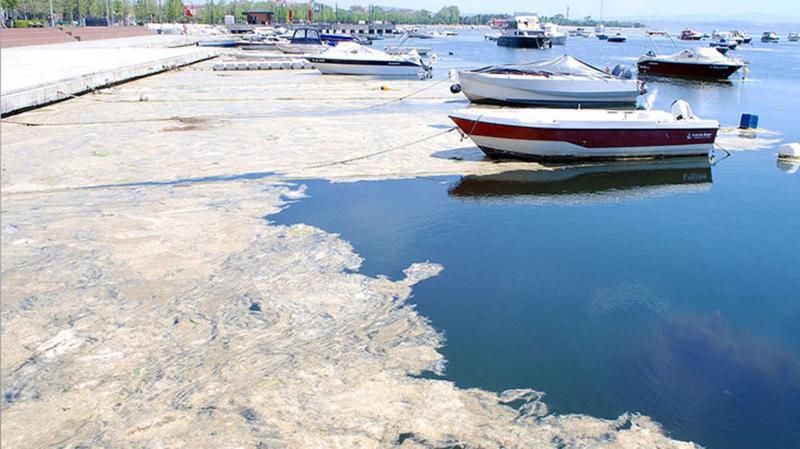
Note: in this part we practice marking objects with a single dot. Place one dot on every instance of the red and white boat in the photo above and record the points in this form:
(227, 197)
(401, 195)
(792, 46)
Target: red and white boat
(690, 35)
(558, 134)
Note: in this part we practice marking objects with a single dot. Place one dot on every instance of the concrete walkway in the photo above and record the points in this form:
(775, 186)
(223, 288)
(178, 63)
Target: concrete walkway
(37, 75)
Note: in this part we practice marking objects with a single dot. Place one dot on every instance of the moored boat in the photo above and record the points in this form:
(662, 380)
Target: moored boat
(524, 32)
(618, 37)
(561, 134)
(690, 63)
(742, 37)
(723, 44)
(793, 37)
(770, 37)
(354, 59)
(600, 32)
(560, 81)
(556, 36)
(690, 35)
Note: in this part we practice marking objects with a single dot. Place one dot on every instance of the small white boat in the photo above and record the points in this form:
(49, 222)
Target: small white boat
(354, 59)
(690, 35)
(724, 41)
(561, 81)
(770, 37)
(793, 37)
(561, 134)
(556, 36)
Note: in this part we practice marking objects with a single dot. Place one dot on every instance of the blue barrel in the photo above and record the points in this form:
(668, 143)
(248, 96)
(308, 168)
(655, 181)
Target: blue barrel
(748, 121)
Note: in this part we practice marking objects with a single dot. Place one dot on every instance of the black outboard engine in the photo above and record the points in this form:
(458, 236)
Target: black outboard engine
(622, 71)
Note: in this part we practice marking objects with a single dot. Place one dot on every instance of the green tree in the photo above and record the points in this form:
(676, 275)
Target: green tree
(10, 5)
(173, 10)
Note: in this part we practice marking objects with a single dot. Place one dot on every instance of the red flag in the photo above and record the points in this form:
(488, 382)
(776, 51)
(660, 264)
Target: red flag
(187, 11)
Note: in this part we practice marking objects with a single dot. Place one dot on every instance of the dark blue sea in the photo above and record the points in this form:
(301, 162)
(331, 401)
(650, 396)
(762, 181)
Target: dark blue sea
(669, 288)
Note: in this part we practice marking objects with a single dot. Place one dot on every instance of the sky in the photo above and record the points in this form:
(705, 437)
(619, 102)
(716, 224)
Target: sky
(611, 8)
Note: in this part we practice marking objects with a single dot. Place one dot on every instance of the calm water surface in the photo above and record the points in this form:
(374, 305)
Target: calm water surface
(669, 288)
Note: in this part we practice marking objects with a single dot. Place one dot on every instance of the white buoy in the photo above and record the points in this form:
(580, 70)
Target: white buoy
(789, 151)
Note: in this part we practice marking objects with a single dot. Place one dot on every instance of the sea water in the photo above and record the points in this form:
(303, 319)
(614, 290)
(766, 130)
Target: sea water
(669, 288)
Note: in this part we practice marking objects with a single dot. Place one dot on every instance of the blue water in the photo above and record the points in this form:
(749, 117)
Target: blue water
(668, 288)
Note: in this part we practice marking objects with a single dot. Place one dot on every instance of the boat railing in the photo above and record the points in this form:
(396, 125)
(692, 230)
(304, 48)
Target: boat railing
(650, 35)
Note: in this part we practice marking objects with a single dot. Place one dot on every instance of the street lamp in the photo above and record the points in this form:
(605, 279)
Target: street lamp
(52, 15)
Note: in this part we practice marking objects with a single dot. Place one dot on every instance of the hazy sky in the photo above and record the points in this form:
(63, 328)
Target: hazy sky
(611, 8)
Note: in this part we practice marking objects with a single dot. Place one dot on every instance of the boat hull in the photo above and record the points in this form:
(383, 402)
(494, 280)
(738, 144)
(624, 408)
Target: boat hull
(523, 42)
(687, 70)
(562, 144)
(548, 91)
(558, 39)
(331, 66)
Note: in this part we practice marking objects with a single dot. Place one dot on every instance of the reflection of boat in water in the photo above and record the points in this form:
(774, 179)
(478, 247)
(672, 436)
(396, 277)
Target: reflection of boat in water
(633, 179)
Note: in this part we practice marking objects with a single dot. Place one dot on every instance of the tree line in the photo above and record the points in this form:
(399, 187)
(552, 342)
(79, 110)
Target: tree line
(211, 12)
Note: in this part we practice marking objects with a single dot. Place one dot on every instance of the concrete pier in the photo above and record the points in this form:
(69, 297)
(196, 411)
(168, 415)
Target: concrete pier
(38, 75)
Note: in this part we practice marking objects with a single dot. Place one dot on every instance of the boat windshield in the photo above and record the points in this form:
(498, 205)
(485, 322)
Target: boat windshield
(562, 65)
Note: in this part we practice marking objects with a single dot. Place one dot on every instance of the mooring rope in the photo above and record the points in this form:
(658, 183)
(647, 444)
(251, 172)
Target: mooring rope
(219, 117)
(714, 160)
(376, 153)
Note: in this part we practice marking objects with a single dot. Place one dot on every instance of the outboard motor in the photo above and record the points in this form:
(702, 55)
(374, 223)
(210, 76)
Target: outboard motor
(622, 71)
(681, 110)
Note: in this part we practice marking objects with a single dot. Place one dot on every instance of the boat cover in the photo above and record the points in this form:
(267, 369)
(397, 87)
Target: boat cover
(702, 55)
(561, 65)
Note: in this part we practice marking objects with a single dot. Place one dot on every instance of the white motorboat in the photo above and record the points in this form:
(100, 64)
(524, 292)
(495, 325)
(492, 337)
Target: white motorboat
(556, 36)
(524, 32)
(563, 134)
(354, 59)
(724, 41)
(741, 37)
(770, 37)
(304, 41)
(561, 81)
(697, 62)
(793, 37)
(690, 35)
